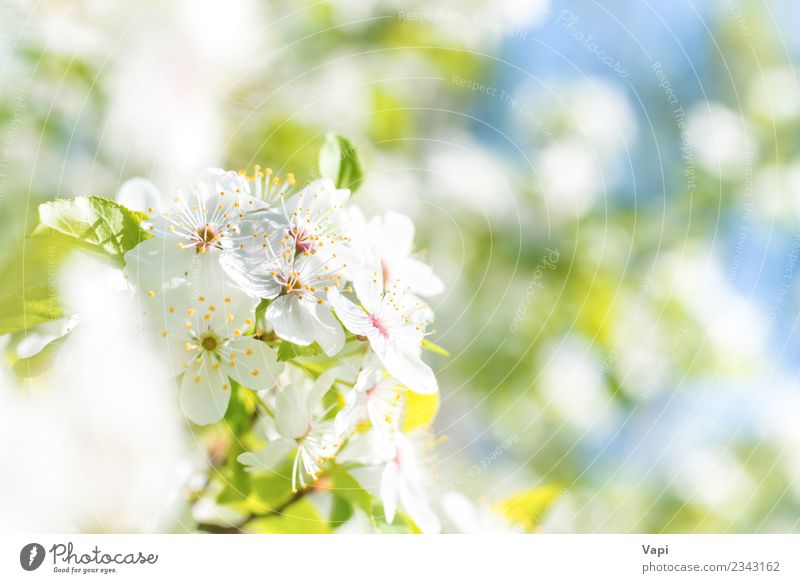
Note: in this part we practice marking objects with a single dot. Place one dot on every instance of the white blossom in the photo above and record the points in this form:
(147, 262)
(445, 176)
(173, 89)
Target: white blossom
(208, 343)
(385, 320)
(300, 428)
(196, 235)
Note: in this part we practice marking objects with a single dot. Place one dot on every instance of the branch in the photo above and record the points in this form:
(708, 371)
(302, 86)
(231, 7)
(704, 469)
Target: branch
(239, 528)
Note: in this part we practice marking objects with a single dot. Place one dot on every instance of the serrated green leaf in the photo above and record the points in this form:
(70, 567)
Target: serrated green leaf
(340, 161)
(527, 509)
(298, 518)
(428, 345)
(94, 222)
(26, 310)
(288, 351)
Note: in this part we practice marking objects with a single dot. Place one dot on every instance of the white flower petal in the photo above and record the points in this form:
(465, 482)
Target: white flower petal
(268, 458)
(394, 234)
(139, 195)
(177, 356)
(389, 485)
(369, 289)
(409, 369)
(420, 277)
(205, 392)
(321, 386)
(255, 364)
(327, 330)
(353, 317)
(253, 276)
(418, 509)
(157, 263)
(291, 412)
(291, 320)
(368, 448)
(321, 194)
(370, 374)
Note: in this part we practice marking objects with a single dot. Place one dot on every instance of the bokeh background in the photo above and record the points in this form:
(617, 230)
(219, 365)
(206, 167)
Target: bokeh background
(611, 191)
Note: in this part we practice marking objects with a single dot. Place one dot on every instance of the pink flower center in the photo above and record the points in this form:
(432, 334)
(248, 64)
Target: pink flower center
(397, 458)
(303, 241)
(378, 325)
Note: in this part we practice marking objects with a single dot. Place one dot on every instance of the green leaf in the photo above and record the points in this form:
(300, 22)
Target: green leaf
(39, 363)
(428, 345)
(95, 223)
(421, 410)
(239, 415)
(528, 508)
(347, 487)
(24, 311)
(400, 525)
(271, 489)
(288, 351)
(341, 511)
(339, 160)
(299, 518)
(237, 486)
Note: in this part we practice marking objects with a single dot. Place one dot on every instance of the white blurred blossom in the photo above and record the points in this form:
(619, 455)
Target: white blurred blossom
(96, 444)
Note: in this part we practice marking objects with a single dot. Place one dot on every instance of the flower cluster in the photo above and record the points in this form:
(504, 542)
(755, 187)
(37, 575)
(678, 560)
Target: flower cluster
(253, 282)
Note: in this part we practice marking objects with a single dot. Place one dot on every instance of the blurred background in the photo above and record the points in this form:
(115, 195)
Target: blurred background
(611, 192)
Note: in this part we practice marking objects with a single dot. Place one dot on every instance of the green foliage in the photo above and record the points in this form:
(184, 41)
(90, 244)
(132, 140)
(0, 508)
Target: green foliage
(288, 351)
(299, 518)
(26, 310)
(392, 121)
(271, 490)
(341, 511)
(435, 348)
(94, 223)
(347, 488)
(39, 363)
(400, 525)
(340, 161)
(528, 508)
(420, 411)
